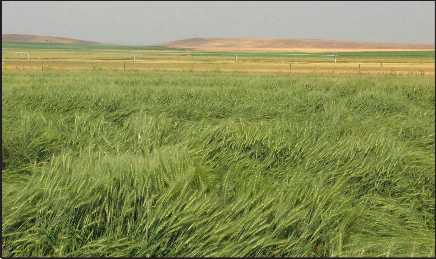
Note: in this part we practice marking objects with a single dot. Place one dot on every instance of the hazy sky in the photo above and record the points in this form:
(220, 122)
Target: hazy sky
(144, 23)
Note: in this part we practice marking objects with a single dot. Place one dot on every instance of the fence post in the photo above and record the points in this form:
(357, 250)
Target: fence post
(28, 56)
(335, 58)
(236, 58)
(134, 59)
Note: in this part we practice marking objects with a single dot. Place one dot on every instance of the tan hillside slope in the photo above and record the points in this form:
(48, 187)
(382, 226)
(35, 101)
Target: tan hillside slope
(49, 39)
(271, 44)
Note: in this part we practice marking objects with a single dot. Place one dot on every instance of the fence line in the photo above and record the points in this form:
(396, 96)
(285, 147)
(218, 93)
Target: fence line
(222, 54)
(210, 53)
(134, 54)
(173, 53)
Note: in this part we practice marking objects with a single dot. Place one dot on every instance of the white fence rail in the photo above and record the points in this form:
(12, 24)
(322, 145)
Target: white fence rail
(171, 54)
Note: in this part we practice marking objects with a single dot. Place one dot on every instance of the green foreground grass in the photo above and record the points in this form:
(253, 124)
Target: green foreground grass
(217, 164)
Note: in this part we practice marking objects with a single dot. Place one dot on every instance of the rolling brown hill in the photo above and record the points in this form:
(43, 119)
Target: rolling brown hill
(50, 39)
(295, 44)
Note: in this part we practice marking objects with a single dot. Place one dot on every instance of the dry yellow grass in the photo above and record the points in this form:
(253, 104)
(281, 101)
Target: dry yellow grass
(247, 44)
(352, 68)
(299, 49)
(313, 45)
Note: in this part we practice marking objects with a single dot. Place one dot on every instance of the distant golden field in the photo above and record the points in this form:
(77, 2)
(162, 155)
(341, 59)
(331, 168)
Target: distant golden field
(125, 60)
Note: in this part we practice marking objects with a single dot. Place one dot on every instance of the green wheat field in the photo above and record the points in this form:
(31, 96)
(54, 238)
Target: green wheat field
(214, 164)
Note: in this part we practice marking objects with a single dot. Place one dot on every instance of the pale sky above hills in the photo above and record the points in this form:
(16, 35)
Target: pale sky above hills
(146, 23)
